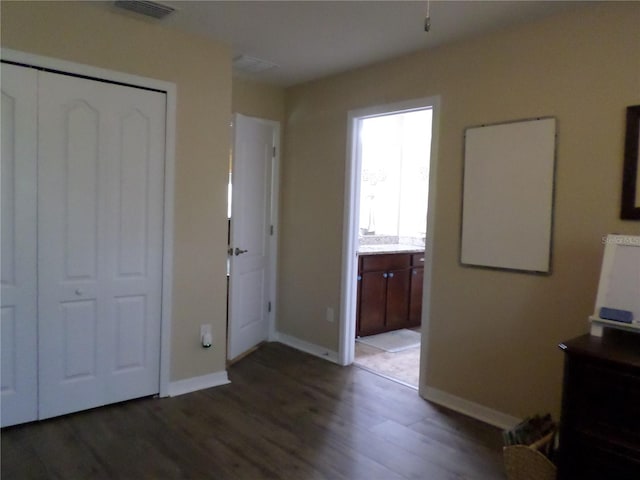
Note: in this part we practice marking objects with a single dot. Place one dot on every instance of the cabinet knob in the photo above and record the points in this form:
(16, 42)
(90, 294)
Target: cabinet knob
(391, 275)
(359, 277)
(384, 275)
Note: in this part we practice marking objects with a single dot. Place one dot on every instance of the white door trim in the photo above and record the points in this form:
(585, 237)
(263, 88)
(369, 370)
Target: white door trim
(352, 206)
(273, 244)
(63, 66)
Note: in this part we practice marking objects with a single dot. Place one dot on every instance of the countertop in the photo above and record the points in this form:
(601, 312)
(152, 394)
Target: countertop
(381, 249)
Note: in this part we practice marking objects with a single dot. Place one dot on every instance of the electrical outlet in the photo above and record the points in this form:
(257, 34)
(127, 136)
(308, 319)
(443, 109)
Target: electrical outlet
(206, 339)
(330, 315)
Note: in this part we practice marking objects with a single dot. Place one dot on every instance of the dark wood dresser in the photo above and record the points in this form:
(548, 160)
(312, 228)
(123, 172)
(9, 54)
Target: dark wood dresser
(600, 424)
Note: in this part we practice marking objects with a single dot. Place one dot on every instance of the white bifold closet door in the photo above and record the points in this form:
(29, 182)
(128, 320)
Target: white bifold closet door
(100, 177)
(19, 354)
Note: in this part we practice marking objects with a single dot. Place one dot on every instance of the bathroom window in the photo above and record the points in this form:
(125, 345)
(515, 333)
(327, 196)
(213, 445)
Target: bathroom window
(395, 177)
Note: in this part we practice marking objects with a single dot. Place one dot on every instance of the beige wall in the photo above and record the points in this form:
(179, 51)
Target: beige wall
(492, 335)
(92, 33)
(257, 99)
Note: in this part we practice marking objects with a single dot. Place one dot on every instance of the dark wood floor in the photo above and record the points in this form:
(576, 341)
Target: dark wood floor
(286, 415)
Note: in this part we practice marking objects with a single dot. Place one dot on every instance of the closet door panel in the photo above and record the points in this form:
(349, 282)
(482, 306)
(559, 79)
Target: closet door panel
(70, 210)
(79, 178)
(133, 186)
(100, 237)
(18, 244)
(135, 229)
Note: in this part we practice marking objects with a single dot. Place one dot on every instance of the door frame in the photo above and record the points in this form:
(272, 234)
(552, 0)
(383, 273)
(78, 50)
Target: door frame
(95, 73)
(349, 291)
(272, 263)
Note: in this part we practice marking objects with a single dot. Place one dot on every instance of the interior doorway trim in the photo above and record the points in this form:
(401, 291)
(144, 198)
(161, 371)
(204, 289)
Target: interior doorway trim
(95, 73)
(352, 206)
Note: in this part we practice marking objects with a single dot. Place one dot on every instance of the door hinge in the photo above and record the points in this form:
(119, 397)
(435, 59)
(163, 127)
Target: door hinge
(269, 307)
(271, 230)
(274, 151)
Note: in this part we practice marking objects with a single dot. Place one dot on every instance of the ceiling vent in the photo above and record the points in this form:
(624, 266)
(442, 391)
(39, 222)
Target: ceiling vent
(144, 7)
(248, 64)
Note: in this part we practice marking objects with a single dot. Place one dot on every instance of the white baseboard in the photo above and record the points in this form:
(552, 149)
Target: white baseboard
(471, 409)
(193, 384)
(307, 347)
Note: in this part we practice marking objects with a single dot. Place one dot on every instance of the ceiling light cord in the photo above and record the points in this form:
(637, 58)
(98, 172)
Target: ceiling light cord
(427, 18)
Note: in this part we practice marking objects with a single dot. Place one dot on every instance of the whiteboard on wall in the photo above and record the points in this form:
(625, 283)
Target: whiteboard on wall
(619, 286)
(507, 211)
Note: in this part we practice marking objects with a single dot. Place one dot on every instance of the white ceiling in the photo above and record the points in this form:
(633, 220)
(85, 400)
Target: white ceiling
(311, 39)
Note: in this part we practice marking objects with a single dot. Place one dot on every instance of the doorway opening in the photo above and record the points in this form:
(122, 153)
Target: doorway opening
(386, 270)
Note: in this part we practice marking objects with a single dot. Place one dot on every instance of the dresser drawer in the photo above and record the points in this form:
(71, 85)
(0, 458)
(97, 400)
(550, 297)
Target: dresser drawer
(606, 400)
(600, 424)
(417, 259)
(386, 262)
(590, 459)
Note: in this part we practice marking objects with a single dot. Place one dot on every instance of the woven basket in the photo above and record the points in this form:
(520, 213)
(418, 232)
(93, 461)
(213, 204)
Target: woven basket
(525, 462)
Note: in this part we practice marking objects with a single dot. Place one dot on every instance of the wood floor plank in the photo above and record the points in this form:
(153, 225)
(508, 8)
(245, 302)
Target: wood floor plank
(294, 413)
(286, 415)
(489, 446)
(460, 462)
(306, 397)
(24, 462)
(63, 454)
(346, 385)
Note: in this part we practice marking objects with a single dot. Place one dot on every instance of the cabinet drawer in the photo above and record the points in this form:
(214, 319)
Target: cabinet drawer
(417, 260)
(606, 401)
(589, 460)
(394, 261)
(600, 426)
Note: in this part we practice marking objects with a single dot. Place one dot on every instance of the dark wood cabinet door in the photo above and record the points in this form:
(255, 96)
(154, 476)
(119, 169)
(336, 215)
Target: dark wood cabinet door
(398, 282)
(415, 298)
(373, 286)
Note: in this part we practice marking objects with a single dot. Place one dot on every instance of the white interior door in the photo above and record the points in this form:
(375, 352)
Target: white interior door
(251, 232)
(100, 215)
(19, 281)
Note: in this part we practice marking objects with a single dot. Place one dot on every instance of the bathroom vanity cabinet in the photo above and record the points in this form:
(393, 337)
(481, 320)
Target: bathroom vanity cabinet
(389, 292)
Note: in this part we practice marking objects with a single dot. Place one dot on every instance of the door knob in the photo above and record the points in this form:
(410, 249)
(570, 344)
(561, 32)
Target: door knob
(239, 251)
